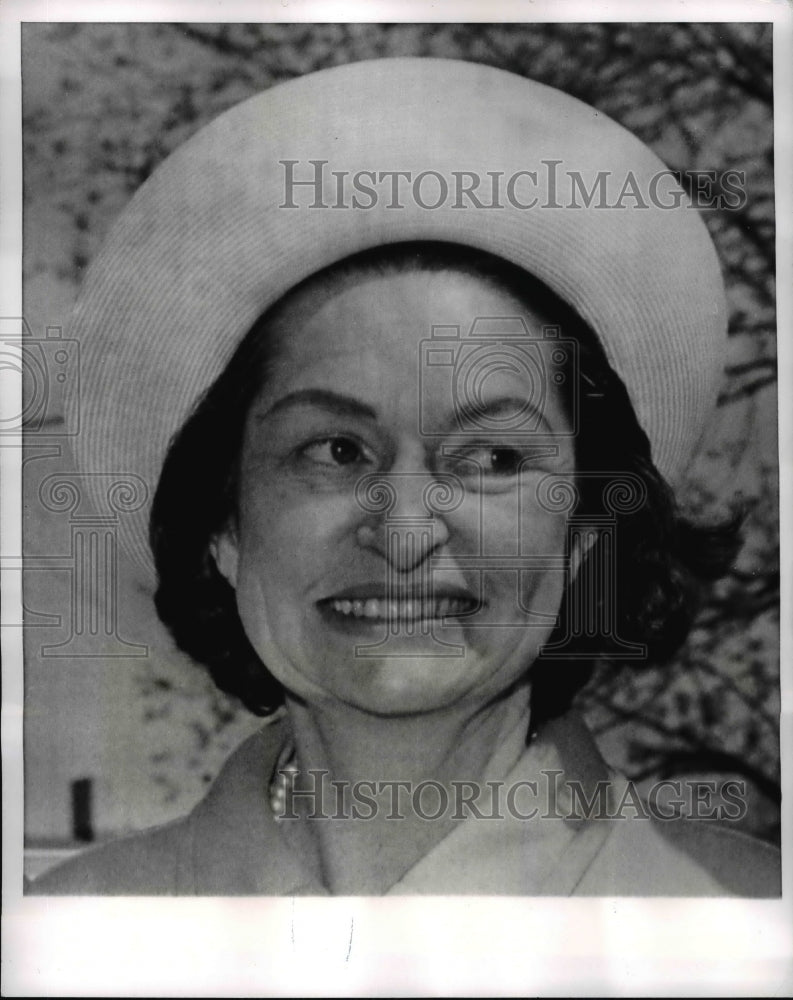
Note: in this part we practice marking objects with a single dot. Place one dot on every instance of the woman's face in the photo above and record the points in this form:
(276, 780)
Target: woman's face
(456, 603)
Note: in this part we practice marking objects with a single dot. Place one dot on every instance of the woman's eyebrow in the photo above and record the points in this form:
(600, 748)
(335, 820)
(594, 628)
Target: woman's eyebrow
(335, 402)
(467, 415)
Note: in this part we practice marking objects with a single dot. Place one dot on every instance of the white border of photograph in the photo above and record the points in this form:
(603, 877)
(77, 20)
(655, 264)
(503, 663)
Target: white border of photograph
(462, 946)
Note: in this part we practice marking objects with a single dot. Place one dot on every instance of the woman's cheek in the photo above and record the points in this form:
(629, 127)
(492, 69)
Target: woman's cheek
(292, 539)
(273, 519)
(547, 537)
(516, 524)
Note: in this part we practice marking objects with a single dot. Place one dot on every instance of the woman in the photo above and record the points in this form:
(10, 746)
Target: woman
(452, 334)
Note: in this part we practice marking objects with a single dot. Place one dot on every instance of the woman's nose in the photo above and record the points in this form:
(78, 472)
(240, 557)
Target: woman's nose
(404, 517)
(405, 547)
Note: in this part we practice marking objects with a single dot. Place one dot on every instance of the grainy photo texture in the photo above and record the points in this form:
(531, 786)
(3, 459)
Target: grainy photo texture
(400, 464)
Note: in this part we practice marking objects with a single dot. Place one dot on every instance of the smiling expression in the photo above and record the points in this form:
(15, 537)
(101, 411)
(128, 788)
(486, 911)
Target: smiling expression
(373, 511)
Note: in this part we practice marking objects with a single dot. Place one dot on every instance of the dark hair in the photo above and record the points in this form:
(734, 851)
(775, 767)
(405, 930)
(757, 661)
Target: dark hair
(655, 555)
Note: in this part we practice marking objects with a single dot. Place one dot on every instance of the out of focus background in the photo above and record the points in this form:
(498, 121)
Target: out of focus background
(121, 730)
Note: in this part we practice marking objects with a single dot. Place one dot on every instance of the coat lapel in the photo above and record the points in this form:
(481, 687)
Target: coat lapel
(513, 855)
(234, 845)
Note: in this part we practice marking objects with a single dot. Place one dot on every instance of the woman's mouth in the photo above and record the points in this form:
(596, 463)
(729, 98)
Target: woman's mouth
(399, 608)
(415, 609)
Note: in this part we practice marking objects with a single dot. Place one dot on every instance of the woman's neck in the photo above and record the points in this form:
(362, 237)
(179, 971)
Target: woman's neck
(363, 845)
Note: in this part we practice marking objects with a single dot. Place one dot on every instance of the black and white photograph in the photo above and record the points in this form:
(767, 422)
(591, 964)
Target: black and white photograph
(399, 461)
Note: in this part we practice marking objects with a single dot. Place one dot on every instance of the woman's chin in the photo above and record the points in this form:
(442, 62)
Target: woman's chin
(407, 682)
(386, 671)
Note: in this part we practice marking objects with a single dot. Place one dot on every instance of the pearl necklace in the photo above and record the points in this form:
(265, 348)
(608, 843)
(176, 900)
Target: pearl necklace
(282, 781)
(284, 776)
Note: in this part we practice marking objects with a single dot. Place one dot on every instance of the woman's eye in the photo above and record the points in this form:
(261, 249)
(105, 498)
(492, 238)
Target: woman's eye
(487, 460)
(335, 451)
(504, 462)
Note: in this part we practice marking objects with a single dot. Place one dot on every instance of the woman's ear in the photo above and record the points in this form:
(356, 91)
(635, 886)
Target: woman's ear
(225, 552)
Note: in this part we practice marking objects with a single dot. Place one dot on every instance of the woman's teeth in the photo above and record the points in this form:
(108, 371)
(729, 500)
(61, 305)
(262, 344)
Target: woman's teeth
(405, 610)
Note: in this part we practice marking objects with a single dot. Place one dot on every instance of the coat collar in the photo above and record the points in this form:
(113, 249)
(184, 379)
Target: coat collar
(236, 846)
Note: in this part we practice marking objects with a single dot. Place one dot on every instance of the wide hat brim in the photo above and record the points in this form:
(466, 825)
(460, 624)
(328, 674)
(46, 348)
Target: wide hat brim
(206, 245)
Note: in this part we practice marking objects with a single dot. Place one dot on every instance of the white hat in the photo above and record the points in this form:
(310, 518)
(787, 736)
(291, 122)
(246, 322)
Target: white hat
(487, 159)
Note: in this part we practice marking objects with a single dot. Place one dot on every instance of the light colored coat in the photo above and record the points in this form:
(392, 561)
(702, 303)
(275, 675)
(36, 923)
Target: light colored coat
(231, 844)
